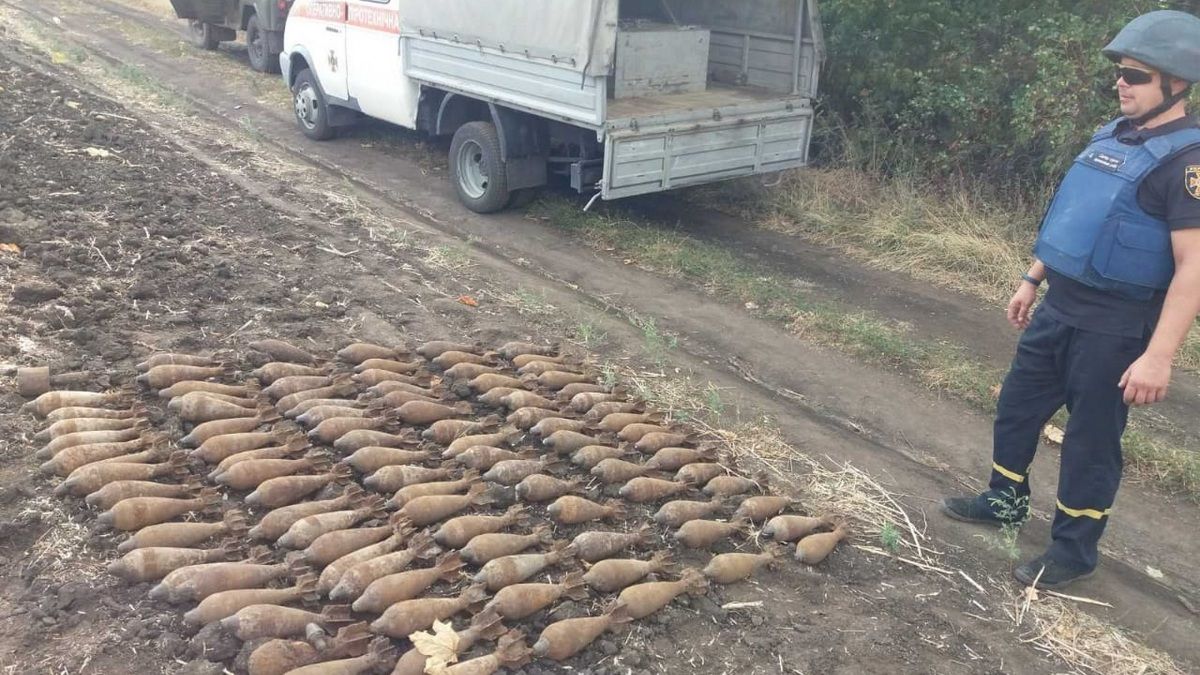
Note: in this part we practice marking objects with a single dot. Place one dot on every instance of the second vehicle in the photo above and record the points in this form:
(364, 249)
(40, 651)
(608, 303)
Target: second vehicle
(211, 22)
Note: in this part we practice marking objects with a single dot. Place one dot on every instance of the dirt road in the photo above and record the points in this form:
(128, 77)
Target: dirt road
(198, 242)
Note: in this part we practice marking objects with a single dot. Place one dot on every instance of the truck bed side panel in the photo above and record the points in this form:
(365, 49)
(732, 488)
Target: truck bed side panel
(535, 86)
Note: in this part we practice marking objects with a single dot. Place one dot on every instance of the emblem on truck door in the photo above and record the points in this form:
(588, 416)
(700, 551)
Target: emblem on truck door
(333, 61)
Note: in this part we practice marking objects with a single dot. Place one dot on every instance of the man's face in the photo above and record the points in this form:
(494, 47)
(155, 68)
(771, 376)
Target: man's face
(1139, 99)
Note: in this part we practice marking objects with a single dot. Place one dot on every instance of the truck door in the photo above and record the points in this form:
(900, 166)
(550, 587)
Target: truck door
(376, 75)
(324, 36)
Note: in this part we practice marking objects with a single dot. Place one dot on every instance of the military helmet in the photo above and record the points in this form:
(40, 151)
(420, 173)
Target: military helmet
(1166, 40)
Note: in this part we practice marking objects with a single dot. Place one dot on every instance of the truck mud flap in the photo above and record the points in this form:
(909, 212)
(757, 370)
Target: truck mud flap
(209, 11)
(185, 9)
(643, 162)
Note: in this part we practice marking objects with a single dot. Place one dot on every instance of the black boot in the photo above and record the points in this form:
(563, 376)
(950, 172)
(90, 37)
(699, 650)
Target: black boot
(1054, 574)
(982, 509)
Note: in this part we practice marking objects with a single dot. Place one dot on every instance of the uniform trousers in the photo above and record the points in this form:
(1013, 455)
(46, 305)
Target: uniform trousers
(1056, 365)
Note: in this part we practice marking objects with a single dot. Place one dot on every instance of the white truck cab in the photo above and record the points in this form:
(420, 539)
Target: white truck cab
(616, 97)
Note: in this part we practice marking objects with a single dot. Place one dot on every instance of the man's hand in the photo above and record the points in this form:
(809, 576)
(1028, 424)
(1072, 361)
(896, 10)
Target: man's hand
(1146, 380)
(1020, 305)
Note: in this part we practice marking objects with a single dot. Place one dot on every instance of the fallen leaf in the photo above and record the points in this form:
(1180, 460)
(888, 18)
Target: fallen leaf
(10, 248)
(995, 391)
(439, 647)
(1053, 434)
(468, 301)
(97, 152)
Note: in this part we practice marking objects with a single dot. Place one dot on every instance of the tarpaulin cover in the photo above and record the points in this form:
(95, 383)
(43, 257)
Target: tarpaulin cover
(580, 34)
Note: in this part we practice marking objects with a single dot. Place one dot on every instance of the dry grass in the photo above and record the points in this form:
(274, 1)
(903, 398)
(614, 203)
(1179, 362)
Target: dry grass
(161, 8)
(1058, 628)
(448, 258)
(952, 238)
(524, 301)
(61, 553)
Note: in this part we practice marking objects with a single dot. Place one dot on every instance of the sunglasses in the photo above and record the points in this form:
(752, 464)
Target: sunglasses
(1134, 76)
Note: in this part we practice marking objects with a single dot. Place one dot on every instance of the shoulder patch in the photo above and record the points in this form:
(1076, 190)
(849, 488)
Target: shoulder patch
(1191, 180)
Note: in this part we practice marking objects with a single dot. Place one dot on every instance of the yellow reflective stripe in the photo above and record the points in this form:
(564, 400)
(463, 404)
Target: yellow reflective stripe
(1011, 475)
(1080, 513)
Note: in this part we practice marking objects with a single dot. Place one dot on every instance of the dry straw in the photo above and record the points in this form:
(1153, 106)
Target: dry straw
(61, 553)
(1087, 644)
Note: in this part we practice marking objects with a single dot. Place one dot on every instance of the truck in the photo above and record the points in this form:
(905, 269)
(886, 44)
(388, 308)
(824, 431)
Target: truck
(614, 98)
(211, 22)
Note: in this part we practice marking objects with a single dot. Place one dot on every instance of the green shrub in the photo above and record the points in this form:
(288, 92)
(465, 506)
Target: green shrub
(1001, 92)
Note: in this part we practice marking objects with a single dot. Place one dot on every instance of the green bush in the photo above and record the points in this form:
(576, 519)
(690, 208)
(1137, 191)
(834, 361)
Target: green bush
(1002, 92)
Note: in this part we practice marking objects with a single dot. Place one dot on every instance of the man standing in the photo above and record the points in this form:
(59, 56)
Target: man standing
(1120, 247)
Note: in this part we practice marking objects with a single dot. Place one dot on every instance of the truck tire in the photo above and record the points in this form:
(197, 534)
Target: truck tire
(258, 48)
(311, 110)
(476, 168)
(202, 35)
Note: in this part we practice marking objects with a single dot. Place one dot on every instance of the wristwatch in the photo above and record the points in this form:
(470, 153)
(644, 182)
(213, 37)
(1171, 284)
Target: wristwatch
(1036, 282)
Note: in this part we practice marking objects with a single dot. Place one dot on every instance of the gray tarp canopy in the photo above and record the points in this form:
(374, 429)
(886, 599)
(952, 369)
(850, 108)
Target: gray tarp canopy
(580, 34)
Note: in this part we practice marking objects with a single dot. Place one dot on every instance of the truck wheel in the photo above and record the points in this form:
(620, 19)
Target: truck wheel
(258, 48)
(202, 35)
(312, 112)
(476, 167)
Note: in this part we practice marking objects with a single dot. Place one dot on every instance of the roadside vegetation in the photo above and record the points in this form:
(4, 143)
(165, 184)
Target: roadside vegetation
(957, 237)
(941, 132)
(940, 366)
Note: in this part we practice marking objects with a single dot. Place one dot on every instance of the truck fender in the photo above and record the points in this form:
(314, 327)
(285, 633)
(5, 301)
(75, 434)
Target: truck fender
(524, 138)
(299, 59)
(341, 112)
(521, 134)
(455, 110)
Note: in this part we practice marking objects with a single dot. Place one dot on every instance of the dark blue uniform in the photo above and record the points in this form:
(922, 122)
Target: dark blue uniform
(1091, 326)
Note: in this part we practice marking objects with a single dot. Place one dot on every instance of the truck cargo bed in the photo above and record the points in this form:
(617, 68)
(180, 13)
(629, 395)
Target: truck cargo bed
(620, 111)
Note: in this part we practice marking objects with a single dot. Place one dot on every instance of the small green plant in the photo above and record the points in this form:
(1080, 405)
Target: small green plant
(1013, 509)
(712, 400)
(658, 345)
(588, 333)
(134, 75)
(251, 129)
(530, 302)
(608, 375)
(889, 536)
